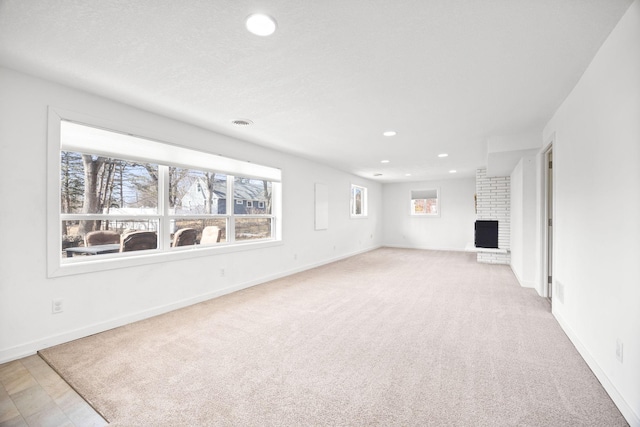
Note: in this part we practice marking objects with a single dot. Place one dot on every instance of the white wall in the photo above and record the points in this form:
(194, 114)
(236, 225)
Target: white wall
(97, 301)
(452, 230)
(597, 213)
(523, 221)
(517, 227)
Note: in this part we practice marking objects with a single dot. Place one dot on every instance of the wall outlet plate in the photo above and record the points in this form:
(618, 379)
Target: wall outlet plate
(57, 305)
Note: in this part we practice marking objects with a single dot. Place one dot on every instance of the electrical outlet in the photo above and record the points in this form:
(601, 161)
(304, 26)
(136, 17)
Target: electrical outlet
(295, 256)
(222, 272)
(57, 306)
(619, 350)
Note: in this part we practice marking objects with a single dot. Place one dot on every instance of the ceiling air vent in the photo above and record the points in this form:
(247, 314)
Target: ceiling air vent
(242, 122)
(377, 174)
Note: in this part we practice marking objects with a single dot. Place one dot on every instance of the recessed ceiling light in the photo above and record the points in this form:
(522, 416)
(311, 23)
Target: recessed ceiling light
(407, 174)
(384, 161)
(242, 122)
(390, 133)
(443, 155)
(260, 24)
(453, 171)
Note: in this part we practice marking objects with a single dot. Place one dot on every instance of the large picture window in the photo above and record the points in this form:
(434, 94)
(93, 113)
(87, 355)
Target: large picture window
(121, 195)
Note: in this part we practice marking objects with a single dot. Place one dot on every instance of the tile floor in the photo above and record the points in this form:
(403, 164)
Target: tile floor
(32, 394)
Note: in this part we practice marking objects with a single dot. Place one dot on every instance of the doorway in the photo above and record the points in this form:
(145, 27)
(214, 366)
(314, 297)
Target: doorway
(548, 202)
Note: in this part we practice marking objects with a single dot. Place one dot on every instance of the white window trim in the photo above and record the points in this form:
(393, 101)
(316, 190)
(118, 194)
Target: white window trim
(425, 215)
(56, 267)
(365, 202)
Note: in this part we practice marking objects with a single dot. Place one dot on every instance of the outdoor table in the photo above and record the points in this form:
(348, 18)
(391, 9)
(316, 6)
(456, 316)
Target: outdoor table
(94, 250)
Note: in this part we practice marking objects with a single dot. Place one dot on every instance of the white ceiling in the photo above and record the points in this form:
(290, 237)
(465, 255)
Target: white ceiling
(447, 75)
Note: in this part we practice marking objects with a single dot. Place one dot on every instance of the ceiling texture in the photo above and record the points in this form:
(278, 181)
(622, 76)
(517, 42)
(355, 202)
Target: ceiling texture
(446, 75)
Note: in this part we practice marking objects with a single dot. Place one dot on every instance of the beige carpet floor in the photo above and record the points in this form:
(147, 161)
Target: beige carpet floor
(391, 337)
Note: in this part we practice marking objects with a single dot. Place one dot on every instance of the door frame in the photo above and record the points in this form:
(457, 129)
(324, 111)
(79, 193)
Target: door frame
(547, 289)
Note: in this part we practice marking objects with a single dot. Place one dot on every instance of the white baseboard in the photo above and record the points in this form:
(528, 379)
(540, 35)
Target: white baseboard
(523, 283)
(627, 411)
(424, 248)
(32, 347)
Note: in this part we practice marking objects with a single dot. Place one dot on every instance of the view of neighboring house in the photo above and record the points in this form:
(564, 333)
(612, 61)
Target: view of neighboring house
(198, 197)
(250, 197)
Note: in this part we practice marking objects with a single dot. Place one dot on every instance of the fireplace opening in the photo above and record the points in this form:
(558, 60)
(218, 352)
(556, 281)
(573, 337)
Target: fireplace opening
(486, 234)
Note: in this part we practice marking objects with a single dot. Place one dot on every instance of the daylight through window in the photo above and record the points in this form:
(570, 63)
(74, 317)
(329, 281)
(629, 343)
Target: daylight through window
(358, 201)
(139, 200)
(424, 202)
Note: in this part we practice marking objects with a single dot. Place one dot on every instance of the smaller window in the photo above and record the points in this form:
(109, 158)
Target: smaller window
(239, 201)
(261, 205)
(425, 202)
(249, 203)
(358, 201)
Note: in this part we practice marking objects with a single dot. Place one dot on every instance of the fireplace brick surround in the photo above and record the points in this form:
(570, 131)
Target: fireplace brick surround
(493, 202)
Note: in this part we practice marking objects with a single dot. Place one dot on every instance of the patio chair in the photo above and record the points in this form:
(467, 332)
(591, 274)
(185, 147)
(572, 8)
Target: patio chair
(211, 234)
(185, 237)
(101, 237)
(138, 241)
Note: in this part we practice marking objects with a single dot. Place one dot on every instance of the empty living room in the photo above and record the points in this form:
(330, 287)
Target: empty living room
(279, 213)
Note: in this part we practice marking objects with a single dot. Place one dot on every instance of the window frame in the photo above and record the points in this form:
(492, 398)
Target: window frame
(426, 214)
(365, 202)
(59, 266)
